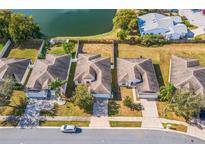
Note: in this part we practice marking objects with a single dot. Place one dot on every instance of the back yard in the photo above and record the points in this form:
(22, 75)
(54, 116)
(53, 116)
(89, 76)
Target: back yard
(105, 50)
(1, 46)
(161, 55)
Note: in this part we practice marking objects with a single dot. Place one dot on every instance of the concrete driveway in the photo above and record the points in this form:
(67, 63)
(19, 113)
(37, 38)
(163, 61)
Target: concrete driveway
(195, 18)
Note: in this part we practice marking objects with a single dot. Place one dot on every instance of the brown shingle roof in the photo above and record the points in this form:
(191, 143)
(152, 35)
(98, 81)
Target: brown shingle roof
(187, 74)
(95, 68)
(49, 69)
(138, 68)
(13, 68)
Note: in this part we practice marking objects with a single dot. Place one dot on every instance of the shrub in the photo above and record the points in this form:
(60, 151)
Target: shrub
(136, 106)
(153, 40)
(127, 101)
(122, 34)
(18, 86)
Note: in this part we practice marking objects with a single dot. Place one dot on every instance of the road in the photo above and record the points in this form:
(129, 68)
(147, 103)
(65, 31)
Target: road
(92, 136)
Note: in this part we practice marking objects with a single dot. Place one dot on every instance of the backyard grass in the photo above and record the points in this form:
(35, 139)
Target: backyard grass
(202, 36)
(15, 100)
(177, 127)
(105, 50)
(24, 53)
(161, 55)
(122, 109)
(125, 124)
(69, 109)
(165, 112)
(60, 123)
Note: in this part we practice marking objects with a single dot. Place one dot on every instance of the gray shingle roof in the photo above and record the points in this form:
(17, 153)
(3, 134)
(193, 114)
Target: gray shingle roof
(186, 73)
(49, 69)
(13, 68)
(138, 68)
(96, 68)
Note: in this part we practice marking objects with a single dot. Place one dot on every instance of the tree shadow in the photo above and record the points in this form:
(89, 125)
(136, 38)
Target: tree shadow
(159, 75)
(51, 112)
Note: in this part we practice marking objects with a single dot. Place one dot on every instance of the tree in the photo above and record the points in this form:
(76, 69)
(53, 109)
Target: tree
(127, 101)
(123, 18)
(186, 104)
(17, 27)
(6, 89)
(55, 85)
(153, 39)
(132, 25)
(122, 34)
(83, 98)
(68, 47)
(166, 92)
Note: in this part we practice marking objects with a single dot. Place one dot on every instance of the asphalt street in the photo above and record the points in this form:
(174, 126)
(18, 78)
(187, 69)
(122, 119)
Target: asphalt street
(93, 136)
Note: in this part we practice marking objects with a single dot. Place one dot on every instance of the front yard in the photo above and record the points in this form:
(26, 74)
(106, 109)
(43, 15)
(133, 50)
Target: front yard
(164, 111)
(125, 124)
(16, 98)
(122, 110)
(161, 55)
(177, 127)
(69, 109)
(60, 123)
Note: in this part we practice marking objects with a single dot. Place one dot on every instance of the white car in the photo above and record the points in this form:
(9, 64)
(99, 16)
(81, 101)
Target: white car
(68, 129)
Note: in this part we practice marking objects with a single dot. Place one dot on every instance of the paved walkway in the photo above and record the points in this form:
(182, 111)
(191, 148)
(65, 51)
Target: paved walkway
(150, 114)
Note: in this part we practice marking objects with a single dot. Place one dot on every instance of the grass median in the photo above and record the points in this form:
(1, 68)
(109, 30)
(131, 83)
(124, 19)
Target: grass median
(60, 123)
(125, 124)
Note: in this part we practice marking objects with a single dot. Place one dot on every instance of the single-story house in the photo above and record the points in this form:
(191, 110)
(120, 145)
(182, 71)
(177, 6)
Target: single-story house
(187, 74)
(44, 71)
(171, 27)
(18, 69)
(138, 73)
(95, 71)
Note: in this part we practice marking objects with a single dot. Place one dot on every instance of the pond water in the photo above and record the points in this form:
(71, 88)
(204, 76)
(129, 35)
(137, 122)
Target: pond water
(72, 22)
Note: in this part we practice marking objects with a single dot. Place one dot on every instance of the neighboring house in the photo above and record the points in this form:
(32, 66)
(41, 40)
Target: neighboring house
(171, 27)
(44, 71)
(185, 73)
(140, 74)
(95, 71)
(18, 69)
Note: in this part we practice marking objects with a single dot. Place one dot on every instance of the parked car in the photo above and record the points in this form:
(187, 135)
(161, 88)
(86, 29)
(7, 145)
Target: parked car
(68, 129)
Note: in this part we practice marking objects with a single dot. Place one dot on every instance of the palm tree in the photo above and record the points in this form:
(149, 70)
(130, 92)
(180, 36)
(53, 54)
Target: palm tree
(55, 85)
(166, 92)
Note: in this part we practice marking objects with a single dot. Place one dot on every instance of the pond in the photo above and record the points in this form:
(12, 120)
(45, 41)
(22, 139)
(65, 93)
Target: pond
(58, 22)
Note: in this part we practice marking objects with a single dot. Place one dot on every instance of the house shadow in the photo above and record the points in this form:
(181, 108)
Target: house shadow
(159, 75)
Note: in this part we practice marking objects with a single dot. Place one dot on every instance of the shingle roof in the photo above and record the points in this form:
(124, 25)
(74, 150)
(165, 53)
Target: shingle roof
(13, 68)
(97, 69)
(186, 73)
(138, 68)
(49, 69)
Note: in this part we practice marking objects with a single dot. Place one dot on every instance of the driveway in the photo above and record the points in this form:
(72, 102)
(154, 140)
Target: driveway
(195, 18)
(100, 107)
(150, 117)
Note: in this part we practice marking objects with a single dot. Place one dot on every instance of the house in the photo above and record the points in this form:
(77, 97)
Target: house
(171, 27)
(138, 73)
(44, 71)
(95, 71)
(186, 73)
(18, 69)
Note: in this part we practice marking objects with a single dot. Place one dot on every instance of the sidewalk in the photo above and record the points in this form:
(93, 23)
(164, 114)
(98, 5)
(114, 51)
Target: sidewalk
(102, 122)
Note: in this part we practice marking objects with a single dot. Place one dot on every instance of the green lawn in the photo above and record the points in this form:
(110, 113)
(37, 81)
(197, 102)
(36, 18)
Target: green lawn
(24, 53)
(177, 127)
(125, 124)
(8, 124)
(15, 100)
(202, 36)
(1, 46)
(69, 109)
(161, 55)
(60, 123)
